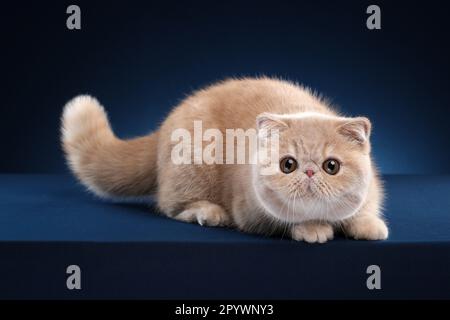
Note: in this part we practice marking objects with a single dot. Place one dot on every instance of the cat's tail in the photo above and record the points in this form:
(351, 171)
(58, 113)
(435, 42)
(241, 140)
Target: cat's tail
(105, 164)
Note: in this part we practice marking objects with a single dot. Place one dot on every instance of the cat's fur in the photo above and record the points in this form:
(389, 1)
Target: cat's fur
(304, 208)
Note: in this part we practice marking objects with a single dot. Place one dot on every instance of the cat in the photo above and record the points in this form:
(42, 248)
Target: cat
(325, 181)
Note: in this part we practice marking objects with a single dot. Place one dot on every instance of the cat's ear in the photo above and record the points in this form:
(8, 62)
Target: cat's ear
(356, 129)
(269, 121)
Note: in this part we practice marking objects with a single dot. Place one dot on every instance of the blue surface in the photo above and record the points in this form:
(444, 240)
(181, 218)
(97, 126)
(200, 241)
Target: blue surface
(48, 222)
(55, 208)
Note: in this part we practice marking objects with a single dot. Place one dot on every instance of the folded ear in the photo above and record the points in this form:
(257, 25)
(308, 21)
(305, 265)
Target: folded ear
(269, 121)
(356, 129)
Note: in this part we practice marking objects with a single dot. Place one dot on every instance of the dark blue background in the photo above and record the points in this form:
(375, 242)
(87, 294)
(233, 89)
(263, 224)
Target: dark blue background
(140, 59)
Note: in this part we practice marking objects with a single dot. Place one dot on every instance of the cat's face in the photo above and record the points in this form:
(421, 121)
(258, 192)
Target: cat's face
(323, 170)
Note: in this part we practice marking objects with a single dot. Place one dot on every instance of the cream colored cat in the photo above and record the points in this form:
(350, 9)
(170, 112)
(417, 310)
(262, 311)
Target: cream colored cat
(325, 180)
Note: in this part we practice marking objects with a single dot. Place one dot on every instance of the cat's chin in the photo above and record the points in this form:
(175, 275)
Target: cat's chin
(306, 208)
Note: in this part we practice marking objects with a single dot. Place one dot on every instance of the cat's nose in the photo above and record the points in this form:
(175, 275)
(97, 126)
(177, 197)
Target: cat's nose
(309, 173)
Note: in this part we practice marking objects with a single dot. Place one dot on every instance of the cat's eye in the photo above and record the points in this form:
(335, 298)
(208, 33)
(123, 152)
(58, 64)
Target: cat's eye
(331, 166)
(288, 165)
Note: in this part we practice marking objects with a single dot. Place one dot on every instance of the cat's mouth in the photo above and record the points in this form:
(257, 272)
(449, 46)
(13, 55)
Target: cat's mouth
(307, 189)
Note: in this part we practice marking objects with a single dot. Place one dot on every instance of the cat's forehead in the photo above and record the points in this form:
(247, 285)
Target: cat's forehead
(311, 136)
(316, 147)
(313, 129)
(315, 134)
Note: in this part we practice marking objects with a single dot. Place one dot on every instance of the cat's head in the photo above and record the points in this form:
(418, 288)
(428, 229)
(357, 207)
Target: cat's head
(322, 170)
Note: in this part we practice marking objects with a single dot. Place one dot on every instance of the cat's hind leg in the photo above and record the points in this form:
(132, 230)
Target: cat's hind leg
(204, 213)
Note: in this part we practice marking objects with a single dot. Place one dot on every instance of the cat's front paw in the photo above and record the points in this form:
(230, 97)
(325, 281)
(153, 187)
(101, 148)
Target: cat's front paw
(367, 228)
(312, 232)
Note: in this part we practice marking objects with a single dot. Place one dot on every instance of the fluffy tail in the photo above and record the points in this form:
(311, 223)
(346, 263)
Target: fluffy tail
(106, 165)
